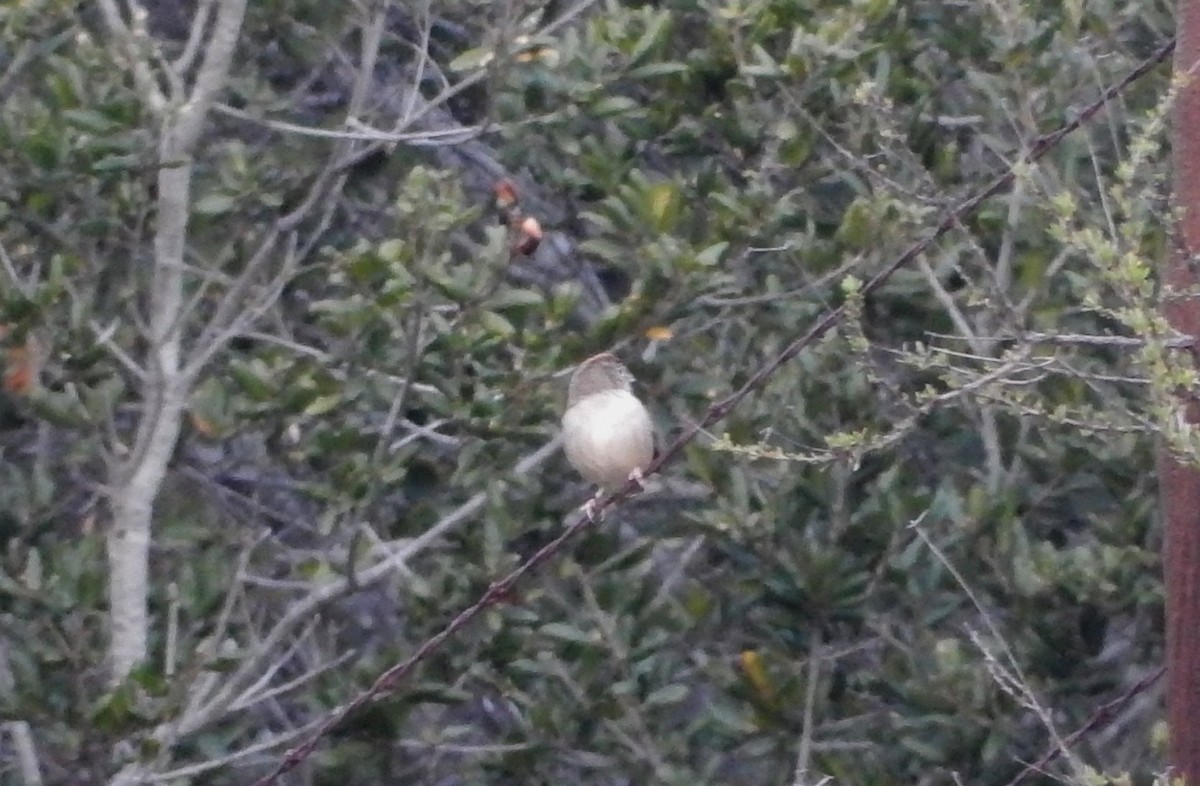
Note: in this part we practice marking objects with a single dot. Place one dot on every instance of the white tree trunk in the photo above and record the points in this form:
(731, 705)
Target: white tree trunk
(129, 538)
(165, 388)
(164, 396)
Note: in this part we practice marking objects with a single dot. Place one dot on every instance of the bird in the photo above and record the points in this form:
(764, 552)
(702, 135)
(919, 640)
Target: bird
(607, 432)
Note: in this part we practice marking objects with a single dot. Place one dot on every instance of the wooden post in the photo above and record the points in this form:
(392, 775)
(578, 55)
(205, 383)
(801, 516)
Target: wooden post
(1180, 483)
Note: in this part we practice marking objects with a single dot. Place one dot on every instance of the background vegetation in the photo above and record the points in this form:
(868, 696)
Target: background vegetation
(925, 553)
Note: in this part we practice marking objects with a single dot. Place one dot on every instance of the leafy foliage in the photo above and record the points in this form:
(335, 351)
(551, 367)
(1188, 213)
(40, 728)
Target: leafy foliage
(928, 535)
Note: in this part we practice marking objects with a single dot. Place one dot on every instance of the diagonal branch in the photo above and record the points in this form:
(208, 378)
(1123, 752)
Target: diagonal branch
(213, 73)
(302, 610)
(1103, 714)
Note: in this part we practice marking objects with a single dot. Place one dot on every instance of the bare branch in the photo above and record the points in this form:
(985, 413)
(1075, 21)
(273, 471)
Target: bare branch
(1017, 682)
(362, 133)
(192, 770)
(143, 74)
(164, 389)
(302, 610)
(14, 278)
(27, 758)
(212, 76)
(804, 755)
(195, 36)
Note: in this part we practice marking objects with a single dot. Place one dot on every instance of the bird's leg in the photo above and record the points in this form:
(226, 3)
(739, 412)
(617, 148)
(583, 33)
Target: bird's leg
(589, 507)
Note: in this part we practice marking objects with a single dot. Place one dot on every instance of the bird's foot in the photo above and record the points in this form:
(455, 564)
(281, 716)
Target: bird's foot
(589, 507)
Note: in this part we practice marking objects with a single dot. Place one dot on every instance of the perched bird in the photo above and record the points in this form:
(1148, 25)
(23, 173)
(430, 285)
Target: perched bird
(607, 432)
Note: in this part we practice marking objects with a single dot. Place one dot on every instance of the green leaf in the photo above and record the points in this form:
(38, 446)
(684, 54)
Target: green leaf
(89, 120)
(43, 151)
(254, 379)
(494, 323)
(214, 204)
(118, 163)
(855, 230)
(367, 268)
(100, 400)
(472, 59)
(613, 105)
(656, 31)
(569, 633)
(456, 287)
(663, 206)
(515, 299)
(322, 404)
(668, 694)
(712, 255)
(651, 70)
(114, 711)
(61, 407)
(392, 250)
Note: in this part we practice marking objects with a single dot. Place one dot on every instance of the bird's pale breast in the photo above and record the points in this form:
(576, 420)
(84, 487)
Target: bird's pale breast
(607, 435)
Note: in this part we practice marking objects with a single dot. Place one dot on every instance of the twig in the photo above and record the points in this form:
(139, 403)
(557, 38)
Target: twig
(302, 610)
(195, 37)
(27, 759)
(171, 650)
(389, 679)
(804, 756)
(1103, 714)
(1086, 339)
(647, 749)
(191, 770)
(442, 136)
(1010, 677)
(14, 278)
